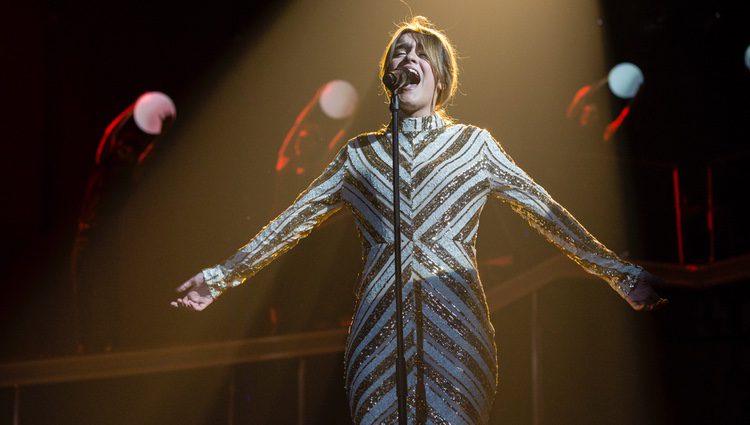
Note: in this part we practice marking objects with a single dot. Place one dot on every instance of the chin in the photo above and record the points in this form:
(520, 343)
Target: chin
(408, 106)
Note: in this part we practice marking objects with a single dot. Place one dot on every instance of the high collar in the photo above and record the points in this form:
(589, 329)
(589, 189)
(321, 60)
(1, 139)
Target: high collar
(418, 124)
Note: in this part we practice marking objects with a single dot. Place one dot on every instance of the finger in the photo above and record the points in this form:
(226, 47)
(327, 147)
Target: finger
(661, 303)
(185, 286)
(655, 305)
(174, 304)
(195, 306)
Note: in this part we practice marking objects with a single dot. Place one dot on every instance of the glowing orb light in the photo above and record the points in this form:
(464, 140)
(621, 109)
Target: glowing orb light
(624, 80)
(150, 111)
(747, 57)
(338, 99)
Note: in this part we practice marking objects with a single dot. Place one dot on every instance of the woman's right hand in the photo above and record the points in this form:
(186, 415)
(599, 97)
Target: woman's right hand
(194, 294)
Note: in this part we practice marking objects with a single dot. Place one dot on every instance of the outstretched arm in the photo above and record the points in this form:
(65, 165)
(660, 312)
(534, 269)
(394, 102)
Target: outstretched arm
(313, 206)
(511, 184)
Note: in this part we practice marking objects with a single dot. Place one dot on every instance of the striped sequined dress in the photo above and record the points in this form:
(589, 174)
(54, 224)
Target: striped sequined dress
(447, 174)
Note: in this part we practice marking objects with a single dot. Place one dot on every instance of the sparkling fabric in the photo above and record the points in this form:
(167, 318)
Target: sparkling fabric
(447, 174)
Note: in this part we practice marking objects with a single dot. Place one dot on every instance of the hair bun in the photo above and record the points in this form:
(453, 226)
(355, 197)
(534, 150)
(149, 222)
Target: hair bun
(422, 21)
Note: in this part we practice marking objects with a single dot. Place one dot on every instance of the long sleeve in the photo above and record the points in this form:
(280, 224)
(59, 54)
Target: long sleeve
(313, 206)
(511, 184)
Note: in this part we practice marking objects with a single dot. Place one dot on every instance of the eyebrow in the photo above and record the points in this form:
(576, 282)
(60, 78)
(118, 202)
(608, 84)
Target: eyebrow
(406, 44)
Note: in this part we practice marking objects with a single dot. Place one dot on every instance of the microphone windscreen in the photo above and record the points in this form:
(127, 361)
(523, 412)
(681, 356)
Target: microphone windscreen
(390, 80)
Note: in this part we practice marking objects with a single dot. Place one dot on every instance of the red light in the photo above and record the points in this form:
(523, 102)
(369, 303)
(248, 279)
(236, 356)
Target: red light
(614, 125)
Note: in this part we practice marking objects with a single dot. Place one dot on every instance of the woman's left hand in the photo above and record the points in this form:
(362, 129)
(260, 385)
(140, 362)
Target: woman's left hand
(643, 296)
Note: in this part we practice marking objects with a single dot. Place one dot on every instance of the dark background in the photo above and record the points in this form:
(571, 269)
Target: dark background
(70, 68)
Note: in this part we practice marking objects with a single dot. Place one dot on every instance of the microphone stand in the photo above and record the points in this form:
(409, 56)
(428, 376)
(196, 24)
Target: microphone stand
(398, 286)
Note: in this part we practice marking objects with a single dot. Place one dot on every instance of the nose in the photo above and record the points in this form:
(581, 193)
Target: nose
(412, 55)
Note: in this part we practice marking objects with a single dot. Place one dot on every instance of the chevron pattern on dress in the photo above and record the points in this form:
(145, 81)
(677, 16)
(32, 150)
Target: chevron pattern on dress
(450, 351)
(447, 173)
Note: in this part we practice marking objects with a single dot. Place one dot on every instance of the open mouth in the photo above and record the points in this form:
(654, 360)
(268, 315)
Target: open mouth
(412, 85)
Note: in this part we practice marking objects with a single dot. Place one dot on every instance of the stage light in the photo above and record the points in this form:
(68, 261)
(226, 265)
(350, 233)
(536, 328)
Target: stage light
(151, 110)
(624, 80)
(747, 57)
(338, 99)
(135, 128)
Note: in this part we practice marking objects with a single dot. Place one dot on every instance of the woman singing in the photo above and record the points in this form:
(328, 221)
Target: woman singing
(449, 171)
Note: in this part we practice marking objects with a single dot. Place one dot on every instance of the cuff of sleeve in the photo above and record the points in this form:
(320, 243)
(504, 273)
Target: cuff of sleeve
(214, 278)
(628, 283)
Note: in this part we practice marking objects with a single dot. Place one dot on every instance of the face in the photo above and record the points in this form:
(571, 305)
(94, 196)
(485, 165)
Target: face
(416, 100)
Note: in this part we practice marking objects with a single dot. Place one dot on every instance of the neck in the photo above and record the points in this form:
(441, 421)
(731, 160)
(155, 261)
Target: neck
(418, 113)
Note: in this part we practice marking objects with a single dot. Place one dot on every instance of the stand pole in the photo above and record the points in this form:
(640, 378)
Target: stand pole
(398, 286)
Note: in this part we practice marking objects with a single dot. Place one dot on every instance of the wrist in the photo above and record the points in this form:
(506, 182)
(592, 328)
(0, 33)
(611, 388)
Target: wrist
(213, 277)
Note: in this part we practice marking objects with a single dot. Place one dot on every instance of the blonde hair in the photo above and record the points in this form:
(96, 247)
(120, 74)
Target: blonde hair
(440, 53)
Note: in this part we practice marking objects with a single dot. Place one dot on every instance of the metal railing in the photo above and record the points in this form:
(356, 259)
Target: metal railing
(111, 365)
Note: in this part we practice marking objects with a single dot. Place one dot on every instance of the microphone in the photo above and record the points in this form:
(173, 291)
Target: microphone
(398, 78)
